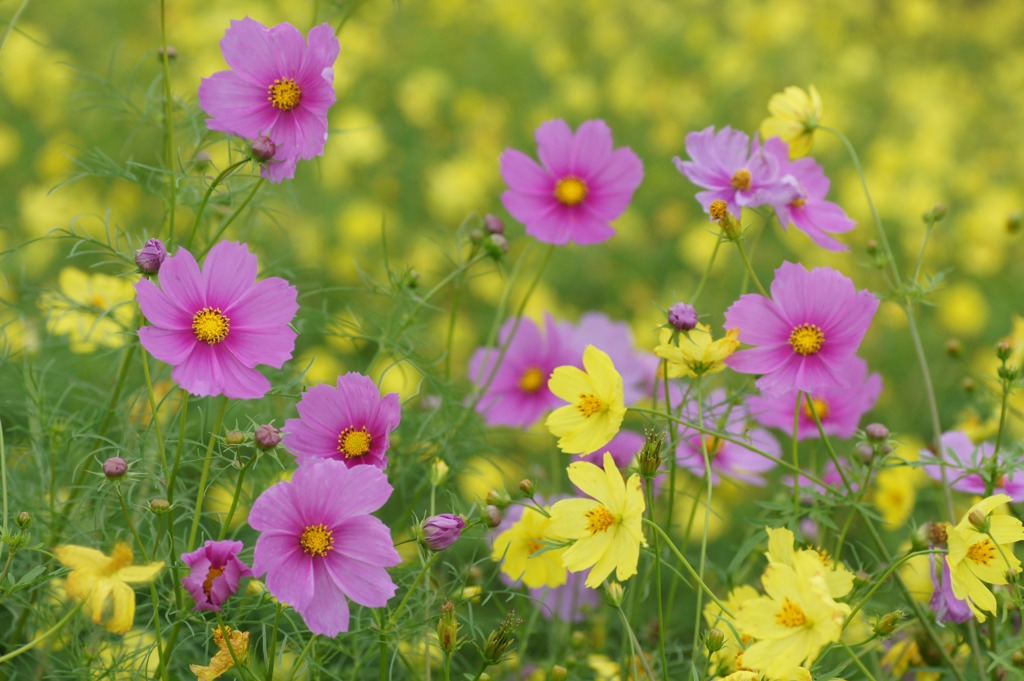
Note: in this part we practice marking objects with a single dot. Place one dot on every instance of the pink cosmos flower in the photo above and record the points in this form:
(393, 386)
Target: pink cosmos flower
(215, 573)
(214, 326)
(728, 459)
(839, 409)
(728, 169)
(580, 185)
(970, 467)
(805, 333)
(349, 423)
(808, 210)
(319, 545)
(518, 395)
(279, 87)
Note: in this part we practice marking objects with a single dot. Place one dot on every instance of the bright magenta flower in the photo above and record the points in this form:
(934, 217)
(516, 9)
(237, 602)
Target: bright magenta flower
(580, 185)
(805, 333)
(215, 572)
(214, 326)
(279, 87)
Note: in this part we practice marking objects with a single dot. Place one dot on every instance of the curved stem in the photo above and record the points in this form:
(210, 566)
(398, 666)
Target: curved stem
(750, 269)
(689, 568)
(224, 174)
(165, 60)
(231, 218)
(419, 578)
(207, 460)
(42, 637)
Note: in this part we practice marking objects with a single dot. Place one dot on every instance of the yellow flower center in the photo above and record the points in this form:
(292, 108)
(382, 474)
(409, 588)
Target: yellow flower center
(589, 405)
(533, 546)
(599, 519)
(718, 209)
(120, 557)
(826, 559)
(98, 301)
(284, 94)
(791, 615)
(713, 445)
(213, 574)
(532, 380)
(807, 339)
(983, 552)
(317, 540)
(820, 407)
(570, 191)
(354, 443)
(741, 180)
(210, 326)
(797, 203)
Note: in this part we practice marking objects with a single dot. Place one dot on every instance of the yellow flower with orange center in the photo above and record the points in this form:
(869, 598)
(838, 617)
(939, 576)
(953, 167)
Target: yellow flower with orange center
(522, 550)
(596, 403)
(696, 353)
(795, 115)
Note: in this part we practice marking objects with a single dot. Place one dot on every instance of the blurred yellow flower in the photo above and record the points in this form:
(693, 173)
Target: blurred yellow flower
(895, 494)
(780, 550)
(101, 582)
(223, 660)
(596, 403)
(795, 115)
(607, 528)
(981, 551)
(517, 545)
(697, 353)
(724, 660)
(91, 309)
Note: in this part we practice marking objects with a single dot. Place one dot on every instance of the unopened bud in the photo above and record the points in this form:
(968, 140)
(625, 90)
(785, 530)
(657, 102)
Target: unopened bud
(1008, 372)
(201, 159)
(1017, 658)
(730, 226)
(492, 515)
(876, 432)
(476, 236)
(494, 224)
(650, 456)
(1014, 221)
(865, 453)
(234, 437)
(1003, 350)
(502, 638)
(151, 256)
(953, 347)
(526, 487)
(615, 593)
(886, 624)
(263, 149)
(967, 385)
(438, 473)
(862, 577)
(578, 639)
(24, 519)
(497, 498)
(871, 247)
(496, 245)
(935, 214)
(448, 628)
(682, 317)
(938, 533)
(441, 531)
(411, 279)
(172, 53)
(159, 505)
(1012, 576)
(115, 467)
(715, 640)
(978, 519)
(558, 673)
(267, 436)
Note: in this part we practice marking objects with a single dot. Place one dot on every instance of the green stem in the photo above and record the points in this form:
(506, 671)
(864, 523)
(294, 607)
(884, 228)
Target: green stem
(180, 446)
(707, 272)
(224, 174)
(231, 218)
(234, 499)
(707, 514)
(42, 637)
(662, 622)
(161, 659)
(750, 269)
(272, 653)
(419, 578)
(689, 568)
(857, 662)
(302, 657)
(637, 649)
(131, 526)
(122, 374)
(207, 460)
(880, 580)
(796, 455)
(165, 60)
(154, 412)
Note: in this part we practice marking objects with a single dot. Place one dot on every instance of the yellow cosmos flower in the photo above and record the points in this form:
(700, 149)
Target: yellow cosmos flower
(794, 620)
(596, 403)
(101, 582)
(697, 353)
(607, 528)
(977, 557)
(91, 309)
(795, 115)
(726, 659)
(223, 660)
(780, 550)
(517, 546)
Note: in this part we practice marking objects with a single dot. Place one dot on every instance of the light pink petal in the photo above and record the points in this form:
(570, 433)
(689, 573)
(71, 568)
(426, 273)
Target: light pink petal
(321, 54)
(591, 147)
(200, 372)
(270, 345)
(228, 272)
(762, 360)
(240, 382)
(366, 539)
(328, 612)
(159, 308)
(367, 585)
(300, 132)
(588, 228)
(182, 281)
(289, 570)
(759, 320)
(278, 170)
(526, 207)
(522, 174)
(267, 302)
(258, 54)
(235, 106)
(550, 227)
(620, 176)
(170, 346)
(274, 510)
(554, 147)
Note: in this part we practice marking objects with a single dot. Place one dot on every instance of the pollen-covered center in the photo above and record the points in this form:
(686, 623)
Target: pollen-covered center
(820, 408)
(741, 180)
(284, 94)
(807, 339)
(718, 209)
(982, 552)
(790, 615)
(210, 325)
(317, 540)
(98, 301)
(354, 443)
(532, 380)
(570, 191)
(589, 404)
(599, 519)
(211, 576)
(713, 445)
(533, 546)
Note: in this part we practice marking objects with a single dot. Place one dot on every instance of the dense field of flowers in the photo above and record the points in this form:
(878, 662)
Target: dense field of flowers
(511, 340)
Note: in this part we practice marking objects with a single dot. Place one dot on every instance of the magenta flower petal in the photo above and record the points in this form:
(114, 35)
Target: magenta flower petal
(199, 321)
(318, 545)
(215, 573)
(579, 187)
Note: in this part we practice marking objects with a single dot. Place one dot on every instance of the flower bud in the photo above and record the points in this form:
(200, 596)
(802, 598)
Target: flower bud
(24, 519)
(502, 638)
(1014, 221)
(526, 487)
(682, 317)
(871, 247)
(886, 624)
(267, 436)
(936, 214)
(441, 531)
(234, 437)
(159, 505)
(496, 245)
(558, 673)
(438, 472)
(938, 533)
(615, 593)
(492, 515)
(476, 236)
(714, 640)
(953, 347)
(263, 149)
(578, 639)
(1017, 658)
(497, 498)
(978, 519)
(1003, 350)
(967, 385)
(876, 432)
(172, 54)
(151, 256)
(650, 456)
(115, 467)
(730, 226)
(494, 224)
(448, 628)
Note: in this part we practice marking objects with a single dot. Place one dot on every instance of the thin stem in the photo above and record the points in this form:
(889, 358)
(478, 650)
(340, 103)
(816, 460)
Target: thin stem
(207, 460)
(154, 411)
(689, 568)
(122, 374)
(272, 653)
(131, 525)
(3, 483)
(637, 649)
(234, 499)
(796, 455)
(165, 60)
(231, 218)
(707, 512)
(707, 272)
(419, 578)
(857, 662)
(662, 622)
(302, 656)
(880, 580)
(161, 659)
(43, 636)
(224, 174)
(750, 269)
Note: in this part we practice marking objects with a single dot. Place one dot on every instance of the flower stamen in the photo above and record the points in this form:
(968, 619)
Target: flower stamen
(820, 408)
(317, 540)
(284, 94)
(589, 405)
(532, 380)
(210, 325)
(211, 576)
(807, 339)
(570, 191)
(982, 552)
(599, 519)
(354, 443)
(791, 615)
(741, 180)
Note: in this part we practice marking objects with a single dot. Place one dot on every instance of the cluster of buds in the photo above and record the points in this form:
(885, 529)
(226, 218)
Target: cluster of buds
(502, 638)
(492, 237)
(1006, 371)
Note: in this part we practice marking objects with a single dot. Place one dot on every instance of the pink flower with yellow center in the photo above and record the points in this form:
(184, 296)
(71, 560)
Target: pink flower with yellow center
(349, 423)
(580, 185)
(215, 325)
